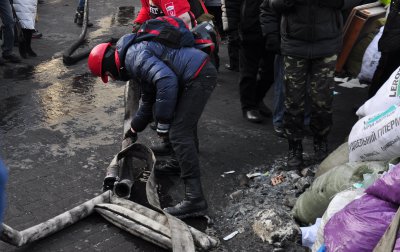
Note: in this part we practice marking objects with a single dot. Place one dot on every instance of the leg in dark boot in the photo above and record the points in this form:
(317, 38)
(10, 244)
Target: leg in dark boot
(22, 45)
(79, 18)
(168, 168)
(162, 148)
(320, 148)
(194, 203)
(28, 40)
(295, 155)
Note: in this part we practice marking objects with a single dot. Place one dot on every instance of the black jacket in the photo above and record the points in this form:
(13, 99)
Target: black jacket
(270, 24)
(242, 15)
(390, 40)
(312, 29)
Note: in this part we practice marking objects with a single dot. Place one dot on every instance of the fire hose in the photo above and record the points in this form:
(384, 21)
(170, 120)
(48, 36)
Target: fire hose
(68, 58)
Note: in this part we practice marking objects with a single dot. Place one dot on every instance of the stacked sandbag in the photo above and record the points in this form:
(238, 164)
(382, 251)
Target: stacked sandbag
(370, 59)
(376, 136)
(341, 200)
(315, 200)
(337, 157)
(386, 96)
(360, 225)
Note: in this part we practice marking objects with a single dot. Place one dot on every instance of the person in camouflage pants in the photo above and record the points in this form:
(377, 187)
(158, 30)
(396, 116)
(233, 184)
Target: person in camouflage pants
(321, 72)
(310, 47)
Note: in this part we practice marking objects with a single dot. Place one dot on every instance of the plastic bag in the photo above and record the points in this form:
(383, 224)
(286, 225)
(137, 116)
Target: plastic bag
(370, 59)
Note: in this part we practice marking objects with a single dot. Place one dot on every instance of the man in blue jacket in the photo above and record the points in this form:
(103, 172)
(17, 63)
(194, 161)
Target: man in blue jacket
(178, 82)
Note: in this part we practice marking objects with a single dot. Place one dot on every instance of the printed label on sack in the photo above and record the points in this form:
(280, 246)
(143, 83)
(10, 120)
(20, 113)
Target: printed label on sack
(395, 87)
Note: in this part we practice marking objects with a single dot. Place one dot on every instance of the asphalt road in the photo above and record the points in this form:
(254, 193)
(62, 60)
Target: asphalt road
(60, 128)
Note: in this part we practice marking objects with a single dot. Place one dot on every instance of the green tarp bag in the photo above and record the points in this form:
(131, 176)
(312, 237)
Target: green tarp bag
(315, 200)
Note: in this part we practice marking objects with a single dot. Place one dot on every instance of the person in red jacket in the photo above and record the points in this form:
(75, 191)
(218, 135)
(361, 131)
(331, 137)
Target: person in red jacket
(156, 8)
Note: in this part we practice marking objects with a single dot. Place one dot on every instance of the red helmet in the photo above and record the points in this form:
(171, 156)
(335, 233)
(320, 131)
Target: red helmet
(95, 60)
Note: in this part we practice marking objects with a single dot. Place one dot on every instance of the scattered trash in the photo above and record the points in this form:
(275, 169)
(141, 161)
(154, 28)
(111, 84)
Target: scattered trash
(241, 230)
(252, 175)
(229, 172)
(243, 180)
(337, 79)
(309, 234)
(277, 180)
(353, 83)
(335, 93)
(236, 195)
(230, 236)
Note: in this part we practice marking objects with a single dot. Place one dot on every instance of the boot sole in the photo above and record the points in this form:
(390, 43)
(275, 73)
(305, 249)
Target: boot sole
(200, 213)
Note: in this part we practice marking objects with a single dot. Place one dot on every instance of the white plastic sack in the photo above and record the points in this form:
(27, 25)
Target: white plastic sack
(386, 96)
(338, 203)
(370, 59)
(376, 137)
(309, 234)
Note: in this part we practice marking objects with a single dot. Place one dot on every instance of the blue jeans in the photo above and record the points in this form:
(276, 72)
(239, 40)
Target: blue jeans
(3, 180)
(279, 95)
(8, 31)
(279, 92)
(81, 5)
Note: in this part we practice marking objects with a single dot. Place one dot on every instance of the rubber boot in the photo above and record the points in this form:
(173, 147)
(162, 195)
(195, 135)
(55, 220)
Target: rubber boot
(162, 148)
(169, 168)
(28, 41)
(320, 149)
(22, 45)
(194, 203)
(79, 18)
(295, 155)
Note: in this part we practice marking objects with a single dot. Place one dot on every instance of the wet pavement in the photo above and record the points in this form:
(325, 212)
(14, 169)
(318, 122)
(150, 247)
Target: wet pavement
(60, 128)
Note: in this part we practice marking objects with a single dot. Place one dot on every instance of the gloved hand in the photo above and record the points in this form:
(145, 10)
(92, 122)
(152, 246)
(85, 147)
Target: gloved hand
(163, 129)
(135, 27)
(273, 43)
(282, 6)
(132, 135)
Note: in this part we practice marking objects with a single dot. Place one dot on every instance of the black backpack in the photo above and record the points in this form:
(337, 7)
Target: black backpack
(169, 31)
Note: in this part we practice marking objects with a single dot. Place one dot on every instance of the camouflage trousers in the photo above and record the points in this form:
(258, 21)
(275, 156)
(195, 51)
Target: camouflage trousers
(319, 74)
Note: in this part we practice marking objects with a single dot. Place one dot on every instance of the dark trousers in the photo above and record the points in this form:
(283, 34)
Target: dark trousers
(320, 73)
(388, 62)
(256, 73)
(190, 106)
(233, 48)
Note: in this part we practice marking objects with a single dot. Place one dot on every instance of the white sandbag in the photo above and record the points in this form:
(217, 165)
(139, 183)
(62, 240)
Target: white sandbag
(370, 59)
(338, 203)
(376, 137)
(386, 96)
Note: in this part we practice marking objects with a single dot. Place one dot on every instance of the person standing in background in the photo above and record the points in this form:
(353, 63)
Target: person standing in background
(310, 47)
(7, 18)
(3, 181)
(256, 65)
(26, 13)
(232, 36)
(389, 46)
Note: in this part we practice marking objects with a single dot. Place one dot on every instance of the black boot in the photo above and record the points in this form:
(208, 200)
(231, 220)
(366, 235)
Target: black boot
(193, 204)
(22, 45)
(295, 155)
(320, 149)
(168, 168)
(28, 40)
(162, 148)
(79, 18)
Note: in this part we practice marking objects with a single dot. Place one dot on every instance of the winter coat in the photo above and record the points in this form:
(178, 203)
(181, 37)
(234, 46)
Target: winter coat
(390, 40)
(162, 72)
(161, 8)
(26, 12)
(312, 29)
(244, 16)
(270, 23)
